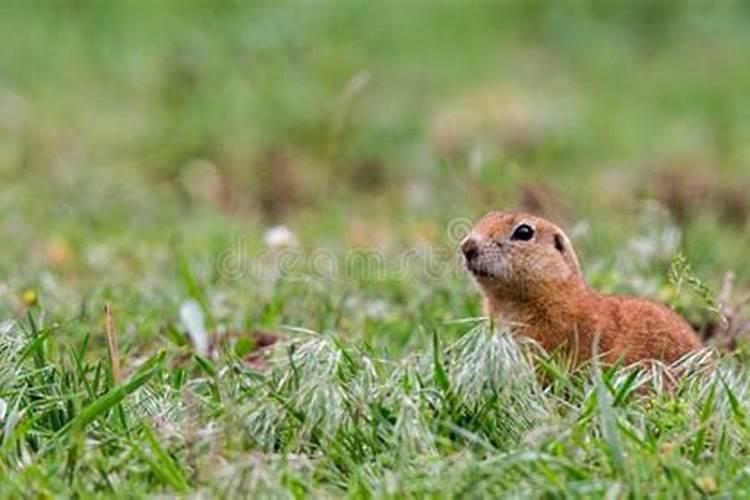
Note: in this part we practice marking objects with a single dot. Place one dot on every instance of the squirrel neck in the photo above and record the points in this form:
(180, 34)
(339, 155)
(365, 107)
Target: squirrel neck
(556, 305)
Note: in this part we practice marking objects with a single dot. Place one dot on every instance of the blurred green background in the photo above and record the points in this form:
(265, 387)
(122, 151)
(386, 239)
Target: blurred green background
(142, 141)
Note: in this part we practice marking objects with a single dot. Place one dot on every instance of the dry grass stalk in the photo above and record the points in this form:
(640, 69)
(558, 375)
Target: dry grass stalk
(114, 355)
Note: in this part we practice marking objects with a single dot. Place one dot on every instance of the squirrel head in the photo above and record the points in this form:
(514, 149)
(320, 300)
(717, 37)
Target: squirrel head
(516, 256)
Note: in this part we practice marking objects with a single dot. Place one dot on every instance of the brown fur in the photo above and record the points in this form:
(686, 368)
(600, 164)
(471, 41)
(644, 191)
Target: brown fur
(538, 285)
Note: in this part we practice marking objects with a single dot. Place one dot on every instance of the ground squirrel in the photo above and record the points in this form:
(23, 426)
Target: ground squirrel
(529, 275)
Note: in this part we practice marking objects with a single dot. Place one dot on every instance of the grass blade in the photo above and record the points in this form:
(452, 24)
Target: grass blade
(114, 396)
(608, 422)
(161, 463)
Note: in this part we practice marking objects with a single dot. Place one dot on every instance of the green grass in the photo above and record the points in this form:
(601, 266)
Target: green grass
(146, 150)
(331, 417)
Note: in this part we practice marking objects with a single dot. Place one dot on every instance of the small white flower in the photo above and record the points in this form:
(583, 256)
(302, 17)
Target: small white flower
(476, 160)
(417, 195)
(3, 409)
(279, 236)
(193, 321)
(376, 308)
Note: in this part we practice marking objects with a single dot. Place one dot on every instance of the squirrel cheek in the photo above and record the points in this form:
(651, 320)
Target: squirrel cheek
(555, 270)
(539, 268)
(499, 262)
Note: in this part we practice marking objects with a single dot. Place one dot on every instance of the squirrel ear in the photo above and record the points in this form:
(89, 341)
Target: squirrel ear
(562, 245)
(559, 245)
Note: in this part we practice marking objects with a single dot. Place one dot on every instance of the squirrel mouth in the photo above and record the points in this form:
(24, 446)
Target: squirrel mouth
(478, 272)
(482, 274)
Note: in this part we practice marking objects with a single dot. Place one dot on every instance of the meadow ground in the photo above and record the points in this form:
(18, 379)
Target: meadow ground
(229, 175)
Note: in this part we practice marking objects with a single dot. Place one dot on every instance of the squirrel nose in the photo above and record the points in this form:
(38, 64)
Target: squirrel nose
(470, 249)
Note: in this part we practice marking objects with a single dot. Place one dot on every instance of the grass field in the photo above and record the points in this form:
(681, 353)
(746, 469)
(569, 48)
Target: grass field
(229, 175)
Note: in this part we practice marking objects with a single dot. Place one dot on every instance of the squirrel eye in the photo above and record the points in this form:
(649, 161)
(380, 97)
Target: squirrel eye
(524, 232)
